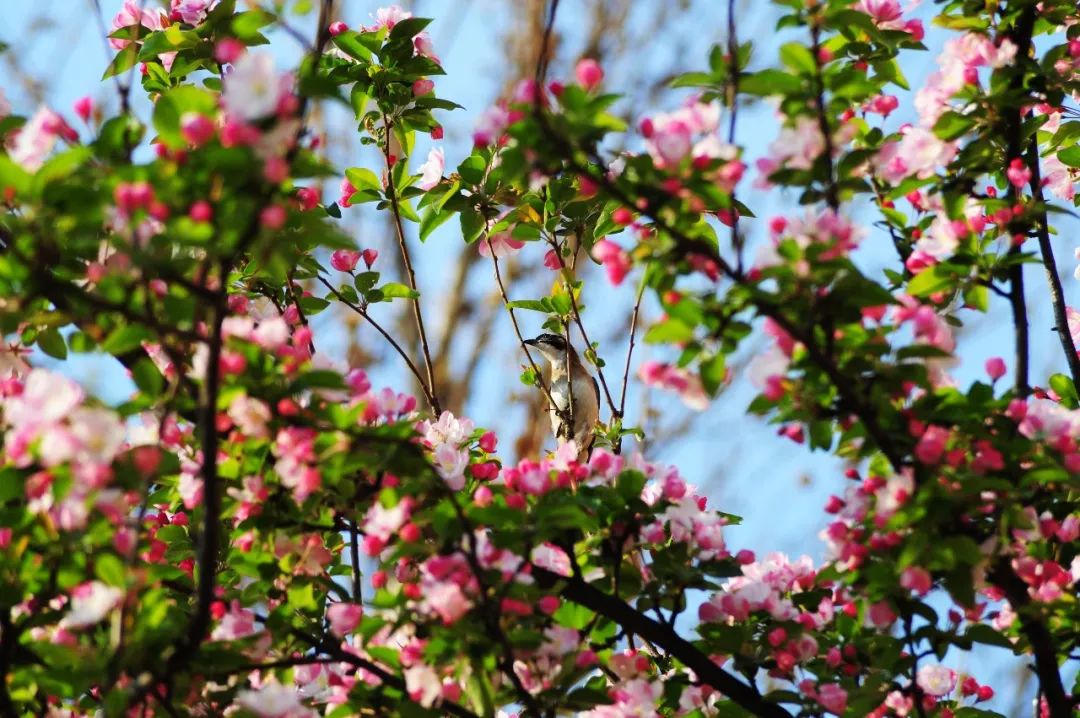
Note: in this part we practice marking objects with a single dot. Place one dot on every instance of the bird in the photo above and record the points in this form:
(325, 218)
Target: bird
(575, 395)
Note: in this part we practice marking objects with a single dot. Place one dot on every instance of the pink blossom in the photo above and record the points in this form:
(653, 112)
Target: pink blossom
(797, 147)
(380, 523)
(192, 12)
(916, 579)
(387, 17)
(343, 618)
(881, 615)
(344, 260)
(422, 684)
(919, 152)
(1018, 173)
(885, 13)
(931, 445)
(936, 680)
(490, 125)
(616, 261)
(237, 623)
(99, 434)
(552, 558)
(995, 368)
(500, 245)
(883, 104)
(424, 47)
(1058, 178)
(431, 171)
(131, 15)
(274, 700)
(666, 376)
(271, 333)
(190, 488)
(446, 600)
(35, 140)
(83, 107)
(250, 416)
(90, 604)
(253, 89)
(589, 74)
(833, 698)
(347, 191)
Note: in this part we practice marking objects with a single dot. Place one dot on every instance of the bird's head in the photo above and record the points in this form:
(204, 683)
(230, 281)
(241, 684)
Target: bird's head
(552, 346)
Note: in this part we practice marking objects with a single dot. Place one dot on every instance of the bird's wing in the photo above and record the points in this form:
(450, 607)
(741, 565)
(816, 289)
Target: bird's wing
(596, 390)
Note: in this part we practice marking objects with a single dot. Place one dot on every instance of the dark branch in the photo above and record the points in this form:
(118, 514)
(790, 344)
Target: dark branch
(639, 624)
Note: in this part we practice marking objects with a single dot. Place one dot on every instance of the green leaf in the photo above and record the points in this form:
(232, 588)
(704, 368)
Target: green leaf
(952, 125)
(472, 169)
(125, 339)
(671, 331)
(363, 179)
(472, 224)
(365, 281)
(930, 280)
(1070, 156)
(110, 569)
(770, 82)
(432, 218)
(713, 373)
(534, 305)
(349, 43)
(14, 176)
(694, 79)
(408, 28)
(302, 597)
(124, 60)
(798, 57)
(1063, 387)
(11, 484)
(147, 377)
(246, 25)
(395, 289)
(52, 343)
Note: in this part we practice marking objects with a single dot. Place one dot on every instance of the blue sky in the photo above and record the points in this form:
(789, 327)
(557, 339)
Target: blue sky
(739, 462)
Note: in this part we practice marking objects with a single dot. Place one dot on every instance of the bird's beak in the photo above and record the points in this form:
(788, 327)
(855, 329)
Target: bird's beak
(531, 342)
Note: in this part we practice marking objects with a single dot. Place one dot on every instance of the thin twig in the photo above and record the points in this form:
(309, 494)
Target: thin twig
(386, 335)
(832, 197)
(513, 320)
(630, 346)
(395, 210)
(565, 274)
(1057, 293)
(354, 559)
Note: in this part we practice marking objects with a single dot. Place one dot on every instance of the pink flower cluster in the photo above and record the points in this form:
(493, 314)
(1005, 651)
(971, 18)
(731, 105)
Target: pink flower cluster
(49, 424)
(672, 378)
(767, 586)
(132, 15)
(688, 132)
(875, 499)
(959, 65)
(33, 142)
(448, 440)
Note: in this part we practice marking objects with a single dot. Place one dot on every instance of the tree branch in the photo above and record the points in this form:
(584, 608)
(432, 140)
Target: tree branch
(632, 620)
(1039, 637)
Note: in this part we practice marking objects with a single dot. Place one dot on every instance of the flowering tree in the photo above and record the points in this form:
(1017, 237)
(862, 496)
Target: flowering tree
(197, 549)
